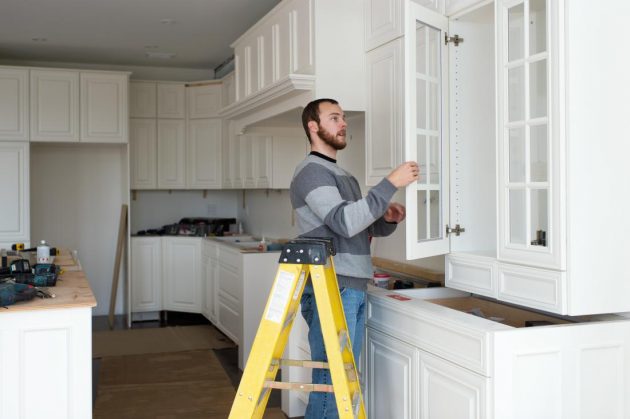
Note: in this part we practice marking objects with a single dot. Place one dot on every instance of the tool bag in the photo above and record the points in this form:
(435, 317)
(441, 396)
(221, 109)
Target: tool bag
(11, 293)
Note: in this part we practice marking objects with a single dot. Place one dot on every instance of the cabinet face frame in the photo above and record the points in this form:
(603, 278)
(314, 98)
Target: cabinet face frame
(440, 244)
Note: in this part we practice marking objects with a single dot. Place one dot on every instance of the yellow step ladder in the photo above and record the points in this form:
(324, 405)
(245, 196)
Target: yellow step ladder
(299, 260)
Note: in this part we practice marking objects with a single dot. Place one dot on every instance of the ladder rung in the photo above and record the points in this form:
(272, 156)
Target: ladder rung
(304, 363)
(307, 387)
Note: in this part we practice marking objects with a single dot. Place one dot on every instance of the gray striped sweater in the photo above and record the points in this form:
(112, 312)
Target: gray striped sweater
(328, 203)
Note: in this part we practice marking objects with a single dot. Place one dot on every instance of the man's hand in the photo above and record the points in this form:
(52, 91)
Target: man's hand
(404, 174)
(395, 213)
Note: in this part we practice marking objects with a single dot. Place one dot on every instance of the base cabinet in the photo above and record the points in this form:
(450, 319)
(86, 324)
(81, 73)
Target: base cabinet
(146, 274)
(424, 346)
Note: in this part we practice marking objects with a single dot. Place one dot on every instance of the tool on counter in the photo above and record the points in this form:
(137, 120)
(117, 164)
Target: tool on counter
(11, 293)
(300, 259)
(19, 247)
(40, 274)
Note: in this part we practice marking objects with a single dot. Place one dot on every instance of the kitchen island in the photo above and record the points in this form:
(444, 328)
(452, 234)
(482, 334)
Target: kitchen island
(46, 351)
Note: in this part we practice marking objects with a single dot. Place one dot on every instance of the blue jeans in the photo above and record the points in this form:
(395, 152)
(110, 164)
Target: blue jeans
(323, 405)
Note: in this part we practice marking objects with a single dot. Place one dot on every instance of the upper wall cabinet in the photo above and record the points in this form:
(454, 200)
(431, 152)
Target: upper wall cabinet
(171, 101)
(518, 166)
(104, 108)
(71, 106)
(14, 104)
(228, 90)
(292, 51)
(204, 100)
(14, 188)
(142, 99)
(54, 105)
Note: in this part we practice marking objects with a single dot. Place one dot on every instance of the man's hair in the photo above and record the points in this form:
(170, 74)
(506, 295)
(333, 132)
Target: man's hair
(311, 113)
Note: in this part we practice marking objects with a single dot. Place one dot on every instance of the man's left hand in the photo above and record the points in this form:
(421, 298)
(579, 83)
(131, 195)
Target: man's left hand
(395, 213)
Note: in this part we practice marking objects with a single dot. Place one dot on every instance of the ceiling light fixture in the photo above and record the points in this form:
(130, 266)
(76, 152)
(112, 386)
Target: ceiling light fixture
(167, 21)
(160, 55)
(39, 39)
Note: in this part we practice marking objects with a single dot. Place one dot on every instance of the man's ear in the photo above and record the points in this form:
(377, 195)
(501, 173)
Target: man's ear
(313, 126)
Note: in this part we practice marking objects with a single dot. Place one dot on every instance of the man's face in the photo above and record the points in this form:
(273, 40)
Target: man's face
(332, 125)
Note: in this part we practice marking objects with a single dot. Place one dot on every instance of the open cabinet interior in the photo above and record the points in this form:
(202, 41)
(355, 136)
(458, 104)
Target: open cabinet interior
(473, 132)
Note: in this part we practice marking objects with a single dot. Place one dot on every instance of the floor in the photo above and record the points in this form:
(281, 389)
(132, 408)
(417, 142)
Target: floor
(228, 356)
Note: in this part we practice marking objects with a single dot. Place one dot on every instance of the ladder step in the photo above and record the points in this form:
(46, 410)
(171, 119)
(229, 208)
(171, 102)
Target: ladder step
(306, 387)
(304, 363)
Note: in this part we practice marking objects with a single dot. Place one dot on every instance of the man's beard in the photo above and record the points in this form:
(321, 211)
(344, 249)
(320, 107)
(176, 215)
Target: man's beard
(332, 140)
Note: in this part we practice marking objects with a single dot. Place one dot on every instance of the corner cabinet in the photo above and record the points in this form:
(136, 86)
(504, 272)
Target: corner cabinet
(518, 167)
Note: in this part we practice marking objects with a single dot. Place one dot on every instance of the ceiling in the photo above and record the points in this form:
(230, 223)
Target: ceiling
(123, 32)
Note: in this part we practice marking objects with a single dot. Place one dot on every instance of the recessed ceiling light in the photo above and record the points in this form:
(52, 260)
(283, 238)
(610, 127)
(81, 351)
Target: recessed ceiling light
(160, 55)
(39, 39)
(167, 21)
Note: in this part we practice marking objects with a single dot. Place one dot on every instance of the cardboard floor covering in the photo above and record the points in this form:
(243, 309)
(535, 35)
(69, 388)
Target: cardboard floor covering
(157, 340)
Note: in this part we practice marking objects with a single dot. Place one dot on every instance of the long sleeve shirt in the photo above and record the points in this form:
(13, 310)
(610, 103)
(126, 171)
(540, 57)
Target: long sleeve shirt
(328, 203)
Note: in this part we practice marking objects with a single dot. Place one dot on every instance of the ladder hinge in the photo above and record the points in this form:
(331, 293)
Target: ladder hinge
(454, 39)
(457, 230)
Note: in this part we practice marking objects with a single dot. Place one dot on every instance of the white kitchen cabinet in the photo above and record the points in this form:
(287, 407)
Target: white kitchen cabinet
(248, 160)
(287, 152)
(256, 161)
(146, 274)
(203, 147)
(506, 165)
(171, 100)
(104, 107)
(142, 99)
(392, 377)
(171, 154)
(495, 366)
(290, 57)
(14, 100)
(143, 153)
(181, 274)
(229, 289)
(211, 263)
(204, 100)
(54, 105)
(227, 156)
(228, 90)
(14, 190)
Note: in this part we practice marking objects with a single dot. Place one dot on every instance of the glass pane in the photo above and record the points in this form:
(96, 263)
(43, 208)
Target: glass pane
(538, 89)
(434, 106)
(538, 153)
(516, 37)
(423, 206)
(516, 94)
(423, 159)
(539, 221)
(421, 48)
(517, 216)
(434, 160)
(517, 154)
(436, 231)
(537, 26)
(434, 52)
(421, 104)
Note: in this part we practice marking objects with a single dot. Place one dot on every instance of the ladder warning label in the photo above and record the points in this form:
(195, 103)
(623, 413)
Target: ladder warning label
(299, 285)
(279, 297)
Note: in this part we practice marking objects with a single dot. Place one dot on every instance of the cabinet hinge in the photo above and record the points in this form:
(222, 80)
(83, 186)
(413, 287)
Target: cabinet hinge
(457, 230)
(454, 39)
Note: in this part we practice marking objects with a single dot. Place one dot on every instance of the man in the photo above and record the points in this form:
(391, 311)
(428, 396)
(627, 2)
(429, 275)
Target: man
(328, 203)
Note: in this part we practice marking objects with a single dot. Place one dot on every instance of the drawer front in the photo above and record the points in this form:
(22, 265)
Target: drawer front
(229, 322)
(472, 274)
(542, 289)
(433, 333)
(230, 258)
(230, 284)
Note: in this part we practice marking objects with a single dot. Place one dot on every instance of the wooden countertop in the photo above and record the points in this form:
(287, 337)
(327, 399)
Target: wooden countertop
(72, 290)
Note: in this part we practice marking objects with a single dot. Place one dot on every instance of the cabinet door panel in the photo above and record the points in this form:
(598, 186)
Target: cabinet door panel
(142, 100)
(143, 153)
(204, 101)
(14, 104)
(54, 105)
(171, 100)
(104, 108)
(204, 153)
(384, 131)
(450, 391)
(263, 162)
(391, 383)
(383, 23)
(14, 190)
(426, 133)
(146, 274)
(182, 274)
(171, 154)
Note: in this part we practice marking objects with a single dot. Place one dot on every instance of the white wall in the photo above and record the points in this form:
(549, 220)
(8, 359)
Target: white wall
(76, 195)
(267, 213)
(137, 72)
(154, 209)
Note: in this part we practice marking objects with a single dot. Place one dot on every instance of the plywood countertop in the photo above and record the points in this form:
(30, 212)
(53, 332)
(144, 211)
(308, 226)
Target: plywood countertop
(71, 291)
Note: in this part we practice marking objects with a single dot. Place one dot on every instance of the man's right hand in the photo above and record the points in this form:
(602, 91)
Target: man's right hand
(404, 174)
